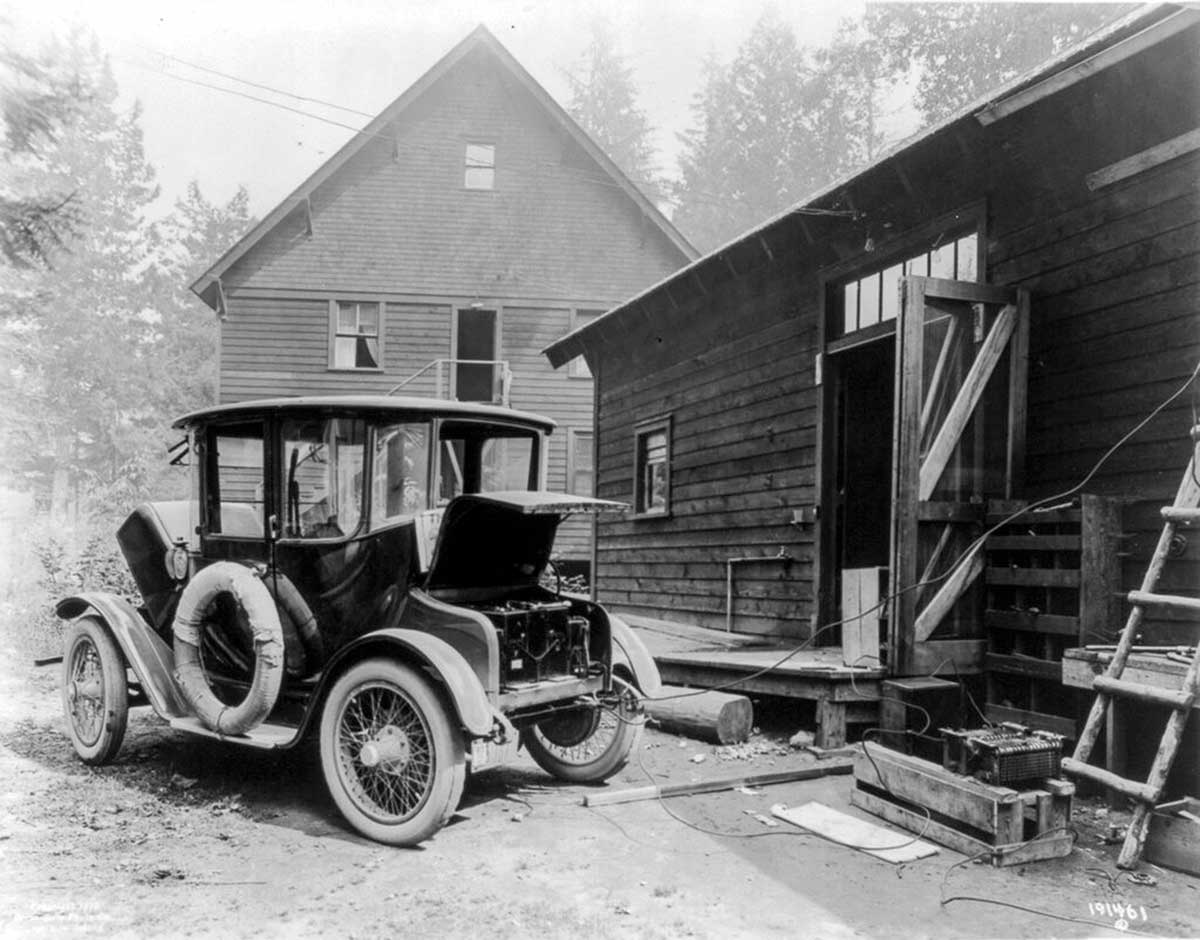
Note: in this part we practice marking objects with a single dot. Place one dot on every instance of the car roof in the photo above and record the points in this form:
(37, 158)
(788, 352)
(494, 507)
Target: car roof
(381, 405)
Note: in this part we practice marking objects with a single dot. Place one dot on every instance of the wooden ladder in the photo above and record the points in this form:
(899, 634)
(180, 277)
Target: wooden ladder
(1183, 512)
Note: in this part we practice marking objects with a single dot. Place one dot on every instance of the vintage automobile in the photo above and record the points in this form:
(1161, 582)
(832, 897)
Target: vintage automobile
(374, 572)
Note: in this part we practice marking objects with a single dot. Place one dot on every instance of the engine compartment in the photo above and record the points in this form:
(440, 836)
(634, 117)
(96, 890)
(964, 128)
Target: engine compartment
(540, 639)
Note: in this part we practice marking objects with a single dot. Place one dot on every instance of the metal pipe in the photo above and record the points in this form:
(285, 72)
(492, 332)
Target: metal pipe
(742, 560)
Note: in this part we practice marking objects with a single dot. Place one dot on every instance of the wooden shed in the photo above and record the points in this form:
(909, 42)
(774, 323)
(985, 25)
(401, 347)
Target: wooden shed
(833, 406)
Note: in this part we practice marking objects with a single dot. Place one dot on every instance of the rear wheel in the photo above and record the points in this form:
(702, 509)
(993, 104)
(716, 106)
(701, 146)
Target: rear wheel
(587, 744)
(95, 694)
(392, 761)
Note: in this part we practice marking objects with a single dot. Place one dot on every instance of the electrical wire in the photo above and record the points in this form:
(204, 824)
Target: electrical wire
(964, 556)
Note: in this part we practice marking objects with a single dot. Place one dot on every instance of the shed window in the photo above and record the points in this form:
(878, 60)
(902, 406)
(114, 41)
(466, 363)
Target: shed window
(875, 297)
(355, 343)
(652, 471)
(480, 169)
(578, 368)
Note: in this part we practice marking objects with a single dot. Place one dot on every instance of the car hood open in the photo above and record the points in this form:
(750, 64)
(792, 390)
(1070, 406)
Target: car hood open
(503, 539)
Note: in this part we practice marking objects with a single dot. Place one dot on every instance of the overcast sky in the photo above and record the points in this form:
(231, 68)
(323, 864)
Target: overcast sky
(362, 54)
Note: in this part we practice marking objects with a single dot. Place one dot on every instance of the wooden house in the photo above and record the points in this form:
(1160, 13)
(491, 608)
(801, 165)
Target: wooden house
(465, 227)
(833, 406)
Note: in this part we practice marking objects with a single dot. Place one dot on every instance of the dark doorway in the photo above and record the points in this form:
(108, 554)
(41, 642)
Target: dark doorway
(865, 406)
(475, 342)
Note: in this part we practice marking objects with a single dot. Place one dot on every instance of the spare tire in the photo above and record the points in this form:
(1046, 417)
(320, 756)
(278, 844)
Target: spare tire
(248, 591)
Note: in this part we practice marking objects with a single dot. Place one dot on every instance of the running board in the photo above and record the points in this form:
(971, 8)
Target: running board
(266, 737)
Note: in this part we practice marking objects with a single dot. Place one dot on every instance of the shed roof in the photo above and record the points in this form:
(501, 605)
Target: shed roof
(206, 286)
(1125, 36)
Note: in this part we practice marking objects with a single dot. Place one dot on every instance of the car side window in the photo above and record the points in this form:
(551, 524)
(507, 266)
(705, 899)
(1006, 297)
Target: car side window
(235, 503)
(322, 470)
(400, 474)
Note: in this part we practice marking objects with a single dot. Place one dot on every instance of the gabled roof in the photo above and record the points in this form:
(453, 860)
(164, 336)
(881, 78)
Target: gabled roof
(207, 287)
(1126, 35)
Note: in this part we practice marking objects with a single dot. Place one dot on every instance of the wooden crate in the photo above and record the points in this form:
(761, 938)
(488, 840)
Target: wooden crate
(1010, 826)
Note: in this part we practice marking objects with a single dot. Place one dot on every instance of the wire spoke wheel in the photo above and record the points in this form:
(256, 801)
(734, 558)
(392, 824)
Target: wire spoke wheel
(94, 693)
(587, 744)
(391, 760)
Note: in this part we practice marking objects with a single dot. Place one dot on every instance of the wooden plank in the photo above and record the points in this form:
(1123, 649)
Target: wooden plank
(943, 601)
(968, 291)
(1033, 577)
(906, 461)
(1145, 160)
(926, 784)
(613, 797)
(1018, 395)
(943, 511)
(1033, 543)
(1023, 666)
(966, 401)
(1046, 722)
(1057, 624)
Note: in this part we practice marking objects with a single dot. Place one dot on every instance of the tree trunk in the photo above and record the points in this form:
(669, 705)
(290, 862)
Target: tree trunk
(711, 716)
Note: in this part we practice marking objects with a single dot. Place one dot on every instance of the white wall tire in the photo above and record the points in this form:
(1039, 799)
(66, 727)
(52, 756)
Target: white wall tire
(587, 745)
(94, 690)
(392, 760)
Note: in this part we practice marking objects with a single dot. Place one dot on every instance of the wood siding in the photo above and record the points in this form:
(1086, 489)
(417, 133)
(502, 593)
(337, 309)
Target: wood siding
(728, 350)
(397, 217)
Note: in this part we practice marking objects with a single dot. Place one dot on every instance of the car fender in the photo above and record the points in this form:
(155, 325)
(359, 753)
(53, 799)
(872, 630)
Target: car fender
(466, 693)
(641, 663)
(151, 660)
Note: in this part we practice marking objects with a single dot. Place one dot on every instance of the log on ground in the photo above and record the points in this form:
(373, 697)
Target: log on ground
(703, 713)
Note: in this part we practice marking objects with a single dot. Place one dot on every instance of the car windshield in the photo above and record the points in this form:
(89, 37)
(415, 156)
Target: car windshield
(322, 471)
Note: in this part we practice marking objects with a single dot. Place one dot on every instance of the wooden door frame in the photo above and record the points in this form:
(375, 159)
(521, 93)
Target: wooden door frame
(455, 322)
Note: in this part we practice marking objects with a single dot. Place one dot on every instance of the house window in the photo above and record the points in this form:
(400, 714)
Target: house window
(875, 297)
(577, 368)
(480, 169)
(355, 343)
(652, 468)
(580, 467)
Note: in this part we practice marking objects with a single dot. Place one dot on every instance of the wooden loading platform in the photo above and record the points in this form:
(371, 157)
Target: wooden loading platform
(706, 659)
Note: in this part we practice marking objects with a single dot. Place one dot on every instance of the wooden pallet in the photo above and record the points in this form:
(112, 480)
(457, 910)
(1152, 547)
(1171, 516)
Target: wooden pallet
(1009, 826)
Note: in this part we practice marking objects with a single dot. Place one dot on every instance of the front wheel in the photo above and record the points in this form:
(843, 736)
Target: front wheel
(587, 744)
(94, 691)
(393, 763)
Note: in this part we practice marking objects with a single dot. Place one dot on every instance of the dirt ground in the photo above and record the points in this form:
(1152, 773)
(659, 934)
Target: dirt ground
(187, 838)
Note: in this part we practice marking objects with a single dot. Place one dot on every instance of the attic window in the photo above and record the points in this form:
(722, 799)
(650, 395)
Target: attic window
(480, 167)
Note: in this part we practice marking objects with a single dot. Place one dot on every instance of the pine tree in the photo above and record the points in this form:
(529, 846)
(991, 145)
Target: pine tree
(604, 103)
(78, 417)
(756, 146)
(963, 50)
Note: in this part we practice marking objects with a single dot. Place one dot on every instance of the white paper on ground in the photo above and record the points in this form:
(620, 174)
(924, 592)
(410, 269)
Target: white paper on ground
(887, 844)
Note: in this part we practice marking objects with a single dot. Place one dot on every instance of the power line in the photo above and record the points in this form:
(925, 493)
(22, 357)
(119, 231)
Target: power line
(245, 81)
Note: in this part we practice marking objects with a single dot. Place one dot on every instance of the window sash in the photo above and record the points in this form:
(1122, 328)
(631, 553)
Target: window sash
(355, 341)
(652, 482)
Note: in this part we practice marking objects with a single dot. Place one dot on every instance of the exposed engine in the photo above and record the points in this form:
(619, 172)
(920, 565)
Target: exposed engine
(539, 640)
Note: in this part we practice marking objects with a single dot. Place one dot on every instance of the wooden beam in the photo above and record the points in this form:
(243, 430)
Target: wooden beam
(1147, 159)
(935, 611)
(1073, 74)
(613, 797)
(939, 372)
(934, 464)
(1018, 395)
